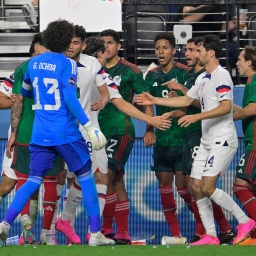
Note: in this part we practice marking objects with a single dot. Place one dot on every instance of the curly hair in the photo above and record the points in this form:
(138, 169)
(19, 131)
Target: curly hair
(94, 44)
(37, 39)
(58, 35)
(80, 32)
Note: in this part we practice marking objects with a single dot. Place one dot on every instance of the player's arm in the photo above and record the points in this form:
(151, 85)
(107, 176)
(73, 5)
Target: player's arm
(224, 108)
(127, 108)
(241, 113)
(27, 88)
(195, 14)
(5, 101)
(104, 98)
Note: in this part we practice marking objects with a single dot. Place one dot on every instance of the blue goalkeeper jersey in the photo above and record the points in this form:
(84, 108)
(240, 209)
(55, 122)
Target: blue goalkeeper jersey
(51, 80)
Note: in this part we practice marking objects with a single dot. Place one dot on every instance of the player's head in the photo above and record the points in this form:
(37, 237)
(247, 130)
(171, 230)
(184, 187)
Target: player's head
(58, 35)
(77, 44)
(112, 42)
(246, 63)
(95, 46)
(165, 48)
(191, 53)
(37, 45)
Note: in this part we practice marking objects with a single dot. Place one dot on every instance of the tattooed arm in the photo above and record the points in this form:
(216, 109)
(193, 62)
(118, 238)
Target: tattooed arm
(15, 120)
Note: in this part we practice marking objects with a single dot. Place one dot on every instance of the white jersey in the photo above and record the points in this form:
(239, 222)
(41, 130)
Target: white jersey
(6, 86)
(211, 89)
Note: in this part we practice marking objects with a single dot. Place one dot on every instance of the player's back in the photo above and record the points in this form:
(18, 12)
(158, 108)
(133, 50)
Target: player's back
(51, 74)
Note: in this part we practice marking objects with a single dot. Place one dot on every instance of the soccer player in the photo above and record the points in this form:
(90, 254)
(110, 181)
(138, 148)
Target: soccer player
(214, 88)
(120, 134)
(94, 46)
(192, 138)
(244, 185)
(55, 130)
(167, 153)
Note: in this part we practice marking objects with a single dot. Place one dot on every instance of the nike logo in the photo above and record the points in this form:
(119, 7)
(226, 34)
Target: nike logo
(6, 89)
(223, 95)
(97, 135)
(205, 170)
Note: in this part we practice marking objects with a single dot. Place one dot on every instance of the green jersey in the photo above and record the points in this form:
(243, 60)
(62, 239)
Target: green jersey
(249, 123)
(192, 110)
(27, 117)
(173, 136)
(129, 79)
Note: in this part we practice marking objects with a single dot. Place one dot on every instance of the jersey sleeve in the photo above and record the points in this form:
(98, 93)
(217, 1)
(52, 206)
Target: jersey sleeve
(69, 79)
(193, 91)
(224, 86)
(26, 85)
(7, 85)
(99, 73)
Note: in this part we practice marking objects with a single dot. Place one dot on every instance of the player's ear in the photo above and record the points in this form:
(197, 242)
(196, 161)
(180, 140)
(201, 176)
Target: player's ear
(84, 46)
(119, 45)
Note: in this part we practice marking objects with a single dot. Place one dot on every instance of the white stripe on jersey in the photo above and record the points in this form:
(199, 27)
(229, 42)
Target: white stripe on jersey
(74, 66)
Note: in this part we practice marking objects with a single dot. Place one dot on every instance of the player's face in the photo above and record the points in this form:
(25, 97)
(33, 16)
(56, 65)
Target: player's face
(75, 48)
(164, 52)
(242, 64)
(202, 55)
(112, 47)
(191, 54)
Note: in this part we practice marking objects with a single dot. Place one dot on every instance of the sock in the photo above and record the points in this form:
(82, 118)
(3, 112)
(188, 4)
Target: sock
(33, 210)
(199, 231)
(102, 190)
(65, 198)
(73, 200)
(1, 200)
(21, 197)
(109, 211)
(246, 197)
(59, 189)
(228, 204)
(220, 218)
(20, 182)
(186, 196)
(206, 213)
(121, 216)
(169, 209)
(49, 202)
(90, 200)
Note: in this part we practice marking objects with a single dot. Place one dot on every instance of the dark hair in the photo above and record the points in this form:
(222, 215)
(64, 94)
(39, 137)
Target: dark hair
(250, 54)
(94, 44)
(192, 40)
(58, 35)
(80, 32)
(37, 39)
(167, 36)
(211, 42)
(111, 32)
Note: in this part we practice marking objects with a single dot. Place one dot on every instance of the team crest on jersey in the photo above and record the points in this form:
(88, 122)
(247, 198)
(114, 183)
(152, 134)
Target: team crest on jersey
(202, 85)
(72, 81)
(117, 80)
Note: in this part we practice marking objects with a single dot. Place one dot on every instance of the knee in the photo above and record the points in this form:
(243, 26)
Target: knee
(7, 186)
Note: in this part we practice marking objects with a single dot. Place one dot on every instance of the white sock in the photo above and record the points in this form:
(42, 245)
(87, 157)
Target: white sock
(225, 201)
(102, 191)
(73, 200)
(65, 199)
(33, 210)
(59, 189)
(206, 213)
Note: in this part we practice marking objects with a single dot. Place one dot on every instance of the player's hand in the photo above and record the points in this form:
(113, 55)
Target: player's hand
(10, 145)
(168, 115)
(161, 123)
(173, 85)
(97, 105)
(149, 138)
(185, 121)
(144, 99)
(98, 139)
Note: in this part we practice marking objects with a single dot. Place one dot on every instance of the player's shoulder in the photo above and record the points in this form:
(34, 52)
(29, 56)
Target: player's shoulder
(182, 66)
(130, 65)
(87, 60)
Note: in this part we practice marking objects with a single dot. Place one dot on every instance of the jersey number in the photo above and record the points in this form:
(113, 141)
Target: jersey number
(110, 147)
(52, 84)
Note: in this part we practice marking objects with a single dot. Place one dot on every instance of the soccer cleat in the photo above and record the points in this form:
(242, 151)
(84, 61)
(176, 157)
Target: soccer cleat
(169, 240)
(195, 238)
(243, 231)
(249, 241)
(226, 238)
(30, 15)
(4, 231)
(109, 233)
(21, 240)
(123, 239)
(207, 240)
(29, 237)
(97, 239)
(64, 227)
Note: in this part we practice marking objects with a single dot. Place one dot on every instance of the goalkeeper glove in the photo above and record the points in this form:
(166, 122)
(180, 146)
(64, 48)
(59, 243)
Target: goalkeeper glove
(98, 139)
